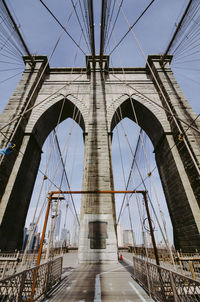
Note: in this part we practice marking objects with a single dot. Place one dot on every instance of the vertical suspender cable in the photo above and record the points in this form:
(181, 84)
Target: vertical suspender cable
(91, 22)
(102, 35)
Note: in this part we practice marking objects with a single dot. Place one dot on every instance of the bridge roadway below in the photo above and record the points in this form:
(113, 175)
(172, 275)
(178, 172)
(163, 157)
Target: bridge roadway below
(97, 282)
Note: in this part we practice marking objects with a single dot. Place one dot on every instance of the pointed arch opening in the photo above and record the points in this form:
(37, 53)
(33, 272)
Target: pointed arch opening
(41, 123)
(170, 167)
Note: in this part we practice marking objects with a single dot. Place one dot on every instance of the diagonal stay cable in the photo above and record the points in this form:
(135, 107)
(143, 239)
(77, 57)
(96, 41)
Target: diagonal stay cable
(145, 97)
(168, 152)
(65, 173)
(131, 27)
(129, 177)
(84, 19)
(55, 94)
(114, 23)
(37, 83)
(91, 24)
(110, 19)
(178, 125)
(65, 30)
(79, 22)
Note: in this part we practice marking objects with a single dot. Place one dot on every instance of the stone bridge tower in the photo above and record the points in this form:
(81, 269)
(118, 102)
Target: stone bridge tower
(101, 96)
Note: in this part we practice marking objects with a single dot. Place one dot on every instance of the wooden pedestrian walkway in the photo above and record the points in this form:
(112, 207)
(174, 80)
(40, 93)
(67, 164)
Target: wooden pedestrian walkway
(105, 282)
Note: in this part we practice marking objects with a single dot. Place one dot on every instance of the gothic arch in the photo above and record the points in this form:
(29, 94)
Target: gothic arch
(15, 201)
(146, 116)
(181, 201)
(45, 118)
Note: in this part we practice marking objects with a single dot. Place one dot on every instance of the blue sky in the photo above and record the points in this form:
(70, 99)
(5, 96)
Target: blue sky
(153, 31)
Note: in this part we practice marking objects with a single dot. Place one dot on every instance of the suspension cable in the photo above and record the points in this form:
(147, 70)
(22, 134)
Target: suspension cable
(153, 184)
(79, 22)
(65, 173)
(91, 26)
(63, 27)
(36, 86)
(166, 240)
(128, 143)
(18, 32)
(50, 154)
(84, 20)
(177, 30)
(164, 97)
(55, 93)
(130, 28)
(129, 177)
(114, 23)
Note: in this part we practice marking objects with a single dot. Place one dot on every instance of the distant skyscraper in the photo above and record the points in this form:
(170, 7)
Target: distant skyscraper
(65, 236)
(68, 238)
(25, 238)
(29, 231)
(35, 240)
(128, 238)
(75, 233)
(147, 239)
(56, 232)
(120, 235)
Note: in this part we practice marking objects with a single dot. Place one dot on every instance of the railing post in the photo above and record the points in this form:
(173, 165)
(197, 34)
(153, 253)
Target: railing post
(192, 270)
(134, 268)
(4, 270)
(19, 299)
(176, 299)
(148, 279)
(180, 263)
(61, 267)
(154, 245)
(40, 249)
(47, 278)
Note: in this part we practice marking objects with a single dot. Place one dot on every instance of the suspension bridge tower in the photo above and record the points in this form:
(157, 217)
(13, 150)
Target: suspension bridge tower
(100, 97)
(104, 98)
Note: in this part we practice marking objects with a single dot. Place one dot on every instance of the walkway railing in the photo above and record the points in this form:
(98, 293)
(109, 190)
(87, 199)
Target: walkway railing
(10, 263)
(18, 288)
(164, 284)
(187, 264)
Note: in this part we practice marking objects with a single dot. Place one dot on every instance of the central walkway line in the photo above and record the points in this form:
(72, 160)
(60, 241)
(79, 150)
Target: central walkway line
(97, 297)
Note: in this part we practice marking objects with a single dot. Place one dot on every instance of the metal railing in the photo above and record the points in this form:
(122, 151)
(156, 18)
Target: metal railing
(18, 288)
(10, 262)
(164, 284)
(187, 264)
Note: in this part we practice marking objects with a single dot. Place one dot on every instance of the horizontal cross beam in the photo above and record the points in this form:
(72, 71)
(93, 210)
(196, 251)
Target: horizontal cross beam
(98, 192)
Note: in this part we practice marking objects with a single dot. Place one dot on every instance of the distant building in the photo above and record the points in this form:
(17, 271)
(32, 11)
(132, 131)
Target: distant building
(75, 233)
(68, 238)
(56, 233)
(65, 237)
(120, 235)
(36, 242)
(25, 238)
(63, 234)
(147, 239)
(128, 238)
(27, 233)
